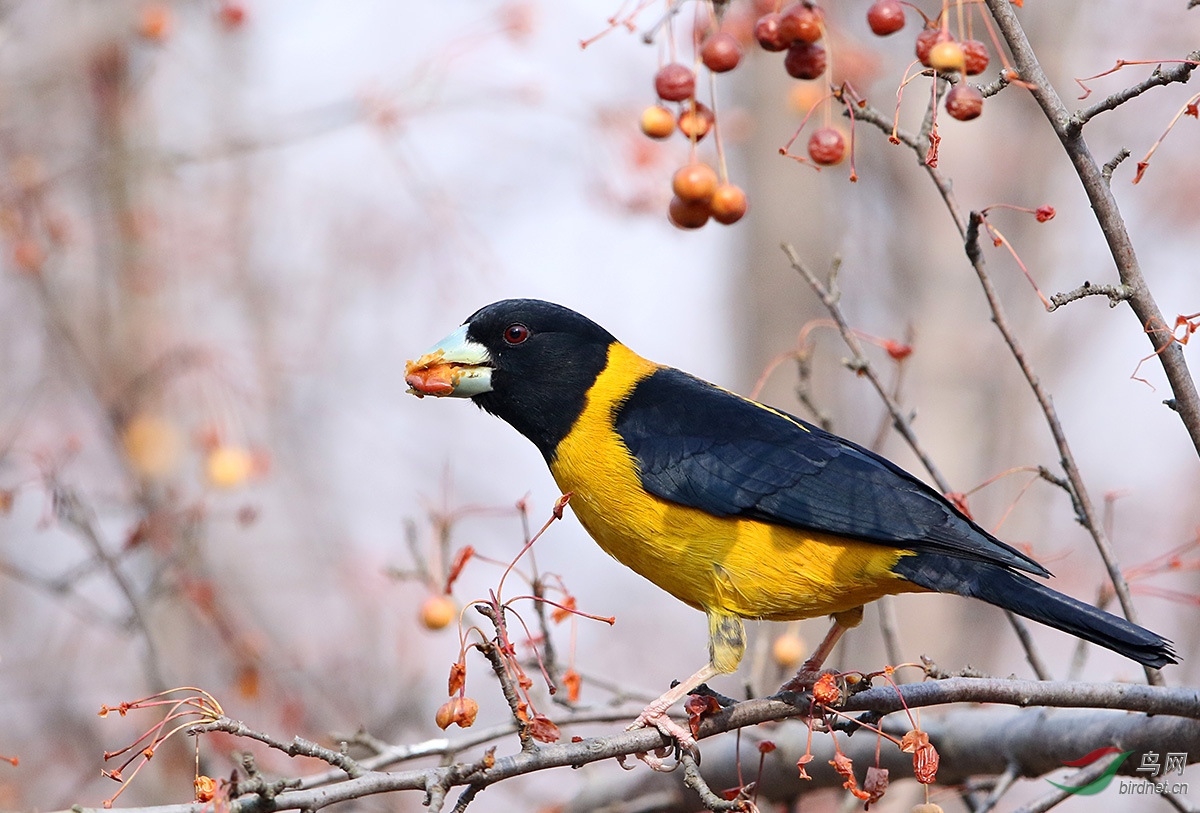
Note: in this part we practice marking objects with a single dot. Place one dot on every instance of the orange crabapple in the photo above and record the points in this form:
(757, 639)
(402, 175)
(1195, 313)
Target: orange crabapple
(438, 611)
(788, 650)
(947, 56)
(657, 121)
(155, 22)
(694, 182)
(695, 121)
(728, 204)
(228, 466)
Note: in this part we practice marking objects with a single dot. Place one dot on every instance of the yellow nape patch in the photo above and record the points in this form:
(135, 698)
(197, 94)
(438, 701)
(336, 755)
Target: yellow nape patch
(736, 566)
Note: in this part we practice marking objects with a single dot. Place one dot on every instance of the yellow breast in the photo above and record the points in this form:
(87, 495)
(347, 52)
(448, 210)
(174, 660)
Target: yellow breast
(744, 567)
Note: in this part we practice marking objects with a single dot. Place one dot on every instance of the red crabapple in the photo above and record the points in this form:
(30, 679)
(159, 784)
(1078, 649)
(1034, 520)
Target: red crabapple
(687, 214)
(827, 147)
(768, 30)
(805, 60)
(674, 82)
(721, 52)
(975, 56)
(885, 17)
(964, 102)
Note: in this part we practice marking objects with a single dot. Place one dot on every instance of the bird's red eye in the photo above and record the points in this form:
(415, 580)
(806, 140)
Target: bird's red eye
(516, 333)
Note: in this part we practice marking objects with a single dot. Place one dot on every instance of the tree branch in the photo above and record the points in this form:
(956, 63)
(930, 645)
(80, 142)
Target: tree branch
(1108, 215)
(1179, 707)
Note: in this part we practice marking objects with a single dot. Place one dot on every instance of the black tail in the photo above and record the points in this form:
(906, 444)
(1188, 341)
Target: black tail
(1024, 596)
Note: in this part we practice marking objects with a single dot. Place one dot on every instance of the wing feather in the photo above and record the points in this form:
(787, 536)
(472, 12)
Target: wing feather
(702, 446)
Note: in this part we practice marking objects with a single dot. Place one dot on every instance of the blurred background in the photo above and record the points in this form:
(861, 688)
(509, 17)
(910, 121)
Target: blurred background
(227, 224)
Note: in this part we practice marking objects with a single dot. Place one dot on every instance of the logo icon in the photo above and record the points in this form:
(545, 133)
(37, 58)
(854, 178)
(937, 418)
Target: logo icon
(1102, 781)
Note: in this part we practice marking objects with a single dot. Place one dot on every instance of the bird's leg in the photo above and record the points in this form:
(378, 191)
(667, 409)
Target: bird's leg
(810, 670)
(726, 645)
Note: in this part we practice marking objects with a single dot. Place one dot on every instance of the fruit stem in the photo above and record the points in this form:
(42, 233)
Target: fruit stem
(722, 171)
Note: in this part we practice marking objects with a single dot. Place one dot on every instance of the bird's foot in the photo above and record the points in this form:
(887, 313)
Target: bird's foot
(655, 717)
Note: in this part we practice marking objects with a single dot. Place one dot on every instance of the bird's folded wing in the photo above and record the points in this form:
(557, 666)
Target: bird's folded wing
(704, 447)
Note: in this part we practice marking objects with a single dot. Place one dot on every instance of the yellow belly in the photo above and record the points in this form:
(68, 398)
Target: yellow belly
(737, 566)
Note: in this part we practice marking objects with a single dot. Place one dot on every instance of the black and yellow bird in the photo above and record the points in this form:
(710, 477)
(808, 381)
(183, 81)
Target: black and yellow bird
(731, 506)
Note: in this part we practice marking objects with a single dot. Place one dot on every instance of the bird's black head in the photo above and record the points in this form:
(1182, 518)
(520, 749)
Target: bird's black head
(524, 360)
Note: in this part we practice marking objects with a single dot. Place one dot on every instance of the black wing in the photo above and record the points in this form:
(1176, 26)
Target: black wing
(704, 447)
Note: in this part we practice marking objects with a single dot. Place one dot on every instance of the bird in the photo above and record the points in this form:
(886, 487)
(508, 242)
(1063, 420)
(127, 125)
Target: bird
(735, 508)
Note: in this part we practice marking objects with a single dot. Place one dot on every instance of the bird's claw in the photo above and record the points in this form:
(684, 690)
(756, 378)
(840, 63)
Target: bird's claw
(654, 718)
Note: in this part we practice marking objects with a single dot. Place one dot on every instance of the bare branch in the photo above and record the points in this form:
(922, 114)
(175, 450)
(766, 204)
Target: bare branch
(1176, 72)
(1108, 215)
(1116, 294)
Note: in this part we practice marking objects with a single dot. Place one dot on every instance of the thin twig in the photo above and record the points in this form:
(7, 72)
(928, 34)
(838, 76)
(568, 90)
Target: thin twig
(862, 365)
(1003, 783)
(1079, 494)
(71, 509)
(1176, 72)
(297, 747)
(1116, 294)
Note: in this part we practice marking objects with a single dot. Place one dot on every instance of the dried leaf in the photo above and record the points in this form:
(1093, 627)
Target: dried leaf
(697, 707)
(206, 788)
(573, 681)
(845, 767)
(562, 613)
(897, 350)
(925, 764)
(876, 784)
(460, 711)
(801, 762)
(460, 561)
(913, 740)
(542, 729)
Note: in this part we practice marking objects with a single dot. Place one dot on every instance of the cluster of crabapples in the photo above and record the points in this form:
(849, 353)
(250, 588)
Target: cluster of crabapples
(798, 31)
(699, 192)
(937, 48)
